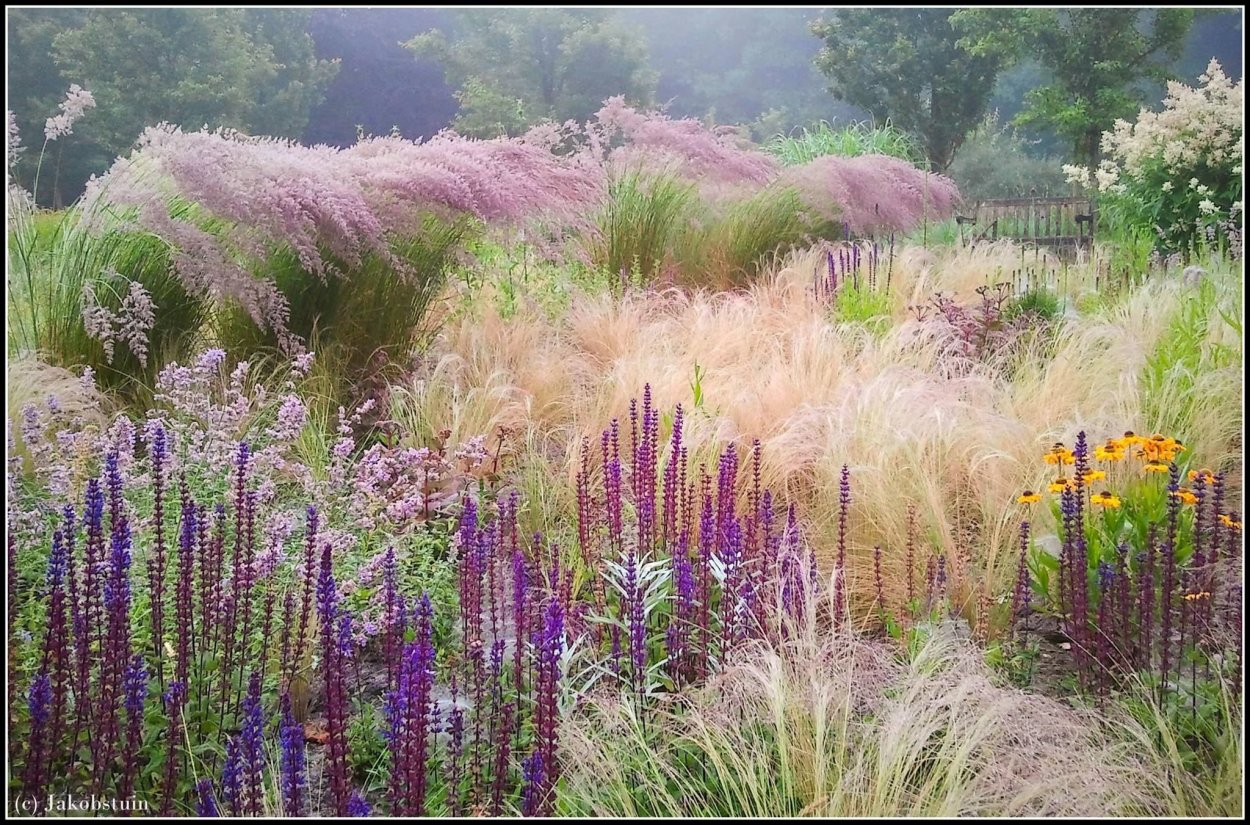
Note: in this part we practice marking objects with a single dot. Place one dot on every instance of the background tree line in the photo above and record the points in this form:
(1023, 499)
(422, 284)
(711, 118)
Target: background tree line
(1060, 76)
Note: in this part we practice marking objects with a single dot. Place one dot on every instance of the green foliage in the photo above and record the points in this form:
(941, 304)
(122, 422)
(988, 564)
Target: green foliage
(849, 141)
(1197, 730)
(361, 321)
(696, 386)
(933, 233)
(36, 86)
(1098, 58)
(1142, 512)
(657, 226)
(146, 66)
(53, 258)
(250, 69)
(366, 746)
(906, 65)
(1184, 359)
(429, 567)
(516, 67)
(729, 246)
(1128, 249)
(641, 221)
(517, 275)
(1132, 215)
(996, 162)
(1040, 302)
(862, 305)
(1016, 662)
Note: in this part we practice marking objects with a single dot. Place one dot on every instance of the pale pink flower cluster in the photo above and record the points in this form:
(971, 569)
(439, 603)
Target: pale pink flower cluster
(63, 449)
(472, 452)
(371, 572)
(121, 437)
(279, 528)
(97, 319)
(292, 416)
(34, 436)
(205, 412)
(345, 444)
(15, 140)
(1077, 174)
(76, 103)
(407, 485)
(873, 193)
(302, 364)
(21, 519)
(1200, 126)
(19, 201)
(131, 324)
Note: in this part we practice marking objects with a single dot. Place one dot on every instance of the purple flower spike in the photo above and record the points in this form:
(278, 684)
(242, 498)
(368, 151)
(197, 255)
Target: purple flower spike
(334, 664)
(1020, 598)
(206, 804)
(252, 745)
(844, 507)
(309, 573)
(159, 453)
(232, 777)
(135, 695)
(357, 806)
(291, 764)
(547, 716)
(39, 702)
(533, 790)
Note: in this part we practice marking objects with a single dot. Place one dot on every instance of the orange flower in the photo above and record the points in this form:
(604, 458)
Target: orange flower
(1230, 522)
(1059, 454)
(1059, 485)
(1093, 475)
(1028, 497)
(1105, 500)
(1160, 448)
(1111, 451)
(1204, 476)
(1155, 467)
(1186, 496)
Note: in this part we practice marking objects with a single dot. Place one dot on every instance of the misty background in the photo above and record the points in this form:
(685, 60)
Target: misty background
(331, 75)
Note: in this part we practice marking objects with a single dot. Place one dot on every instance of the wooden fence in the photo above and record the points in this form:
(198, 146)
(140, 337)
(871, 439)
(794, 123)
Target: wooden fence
(1065, 225)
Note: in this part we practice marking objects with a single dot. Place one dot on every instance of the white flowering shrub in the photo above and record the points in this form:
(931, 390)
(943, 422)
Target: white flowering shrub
(1177, 172)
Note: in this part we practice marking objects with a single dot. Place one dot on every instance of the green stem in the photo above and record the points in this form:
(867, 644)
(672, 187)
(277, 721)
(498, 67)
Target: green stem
(39, 168)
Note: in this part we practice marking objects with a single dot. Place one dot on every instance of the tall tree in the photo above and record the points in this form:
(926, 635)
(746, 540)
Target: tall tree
(906, 65)
(250, 69)
(515, 67)
(1101, 61)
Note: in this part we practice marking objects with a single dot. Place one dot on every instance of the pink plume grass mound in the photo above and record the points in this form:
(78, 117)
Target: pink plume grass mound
(873, 193)
(226, 200)
(683, 146)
